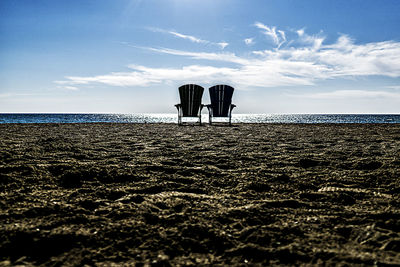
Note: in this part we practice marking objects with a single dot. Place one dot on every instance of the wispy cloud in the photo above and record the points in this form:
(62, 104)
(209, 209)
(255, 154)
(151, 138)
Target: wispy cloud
(223, 45)
(342, 58)
(67, 87)
(144, 76)
(282, 36)
(303, 64)
(314, 40)
(188, 37)
(300, 32)
(278, 37)
(249, 41)
(227, 57)
(191, 38)
(347, 94)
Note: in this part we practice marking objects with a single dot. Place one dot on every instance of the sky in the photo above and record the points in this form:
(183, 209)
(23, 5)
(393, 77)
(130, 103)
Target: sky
(130, 56)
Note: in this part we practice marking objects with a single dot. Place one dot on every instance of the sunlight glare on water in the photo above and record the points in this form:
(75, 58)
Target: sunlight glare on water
(172, 118)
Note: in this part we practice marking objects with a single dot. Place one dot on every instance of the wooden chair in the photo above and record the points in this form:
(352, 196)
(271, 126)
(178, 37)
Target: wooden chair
(221, 102)
(190, 106)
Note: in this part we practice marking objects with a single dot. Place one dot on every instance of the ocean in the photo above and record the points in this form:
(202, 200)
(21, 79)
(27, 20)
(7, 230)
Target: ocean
(172, 118)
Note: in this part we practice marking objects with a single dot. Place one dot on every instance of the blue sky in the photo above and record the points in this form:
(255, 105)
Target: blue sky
(130, 56)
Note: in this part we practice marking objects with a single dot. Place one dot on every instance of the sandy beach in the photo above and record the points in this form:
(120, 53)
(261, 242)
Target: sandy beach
(160, 194)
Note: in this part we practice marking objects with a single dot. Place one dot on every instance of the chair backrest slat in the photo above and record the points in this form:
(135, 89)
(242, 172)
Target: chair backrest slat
(190, 95)
(221, 98)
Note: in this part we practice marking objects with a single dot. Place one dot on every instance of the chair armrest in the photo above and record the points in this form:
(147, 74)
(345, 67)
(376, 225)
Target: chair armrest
(201, 107)
(178, 106)
(233, 106)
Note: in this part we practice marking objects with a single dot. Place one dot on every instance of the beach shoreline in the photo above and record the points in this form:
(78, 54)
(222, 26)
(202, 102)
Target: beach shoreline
(104, 193)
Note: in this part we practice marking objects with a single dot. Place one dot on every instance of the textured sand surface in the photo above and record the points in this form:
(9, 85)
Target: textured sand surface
(161, 194)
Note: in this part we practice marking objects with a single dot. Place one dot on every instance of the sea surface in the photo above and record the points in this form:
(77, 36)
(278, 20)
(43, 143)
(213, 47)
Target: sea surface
(172, 118)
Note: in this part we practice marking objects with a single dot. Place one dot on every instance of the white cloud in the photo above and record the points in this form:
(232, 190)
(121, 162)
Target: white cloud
(348, 94)
(249, 41)
(67, 87)
(188, 37)
(144, 76)
(223, 45)
(300, 32)
(315, 40)
(344, 58)
(191, 38)
(289, 66)
(278, 39)
(227, 57)
(283, 36)
(179, 35)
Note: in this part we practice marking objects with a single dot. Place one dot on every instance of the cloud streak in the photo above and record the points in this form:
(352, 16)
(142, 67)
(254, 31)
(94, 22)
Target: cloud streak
(306, 64)
(68, 87)
(191, 38)
(227, 57)
(223, 45)
(278, 37)
(188, 37)
(348, 94)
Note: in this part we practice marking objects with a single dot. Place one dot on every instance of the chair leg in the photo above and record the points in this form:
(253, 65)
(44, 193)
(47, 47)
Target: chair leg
(209, 119)
(200, 119)
(179, 119)
(230, 119)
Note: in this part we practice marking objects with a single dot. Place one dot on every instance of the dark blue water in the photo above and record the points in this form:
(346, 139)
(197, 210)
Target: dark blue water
(172, 118)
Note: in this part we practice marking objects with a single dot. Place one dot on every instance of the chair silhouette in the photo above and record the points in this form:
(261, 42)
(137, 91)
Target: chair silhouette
(190, 106)
(221, 102)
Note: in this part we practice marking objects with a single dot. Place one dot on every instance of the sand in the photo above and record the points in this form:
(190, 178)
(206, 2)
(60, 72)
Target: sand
(160, 194)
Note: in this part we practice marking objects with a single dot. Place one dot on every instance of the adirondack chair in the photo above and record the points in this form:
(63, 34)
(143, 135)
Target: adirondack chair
(190, 106)
(221, 102)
